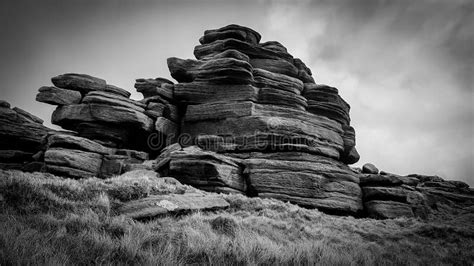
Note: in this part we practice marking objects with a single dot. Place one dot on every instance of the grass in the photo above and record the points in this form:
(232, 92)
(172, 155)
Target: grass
(49, 220)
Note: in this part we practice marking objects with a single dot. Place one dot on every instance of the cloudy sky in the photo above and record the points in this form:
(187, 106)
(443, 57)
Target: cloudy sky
(406, 67)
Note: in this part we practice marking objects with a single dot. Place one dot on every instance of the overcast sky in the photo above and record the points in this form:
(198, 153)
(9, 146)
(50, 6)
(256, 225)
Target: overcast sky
(405, 67)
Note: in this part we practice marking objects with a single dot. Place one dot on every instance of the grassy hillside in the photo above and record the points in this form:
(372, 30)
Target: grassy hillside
(49, 220)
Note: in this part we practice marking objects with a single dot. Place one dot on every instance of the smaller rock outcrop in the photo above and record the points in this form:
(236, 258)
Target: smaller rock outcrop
(77, 157)
(388, 195)
(22, 139)
(446, 196)
(97, 110)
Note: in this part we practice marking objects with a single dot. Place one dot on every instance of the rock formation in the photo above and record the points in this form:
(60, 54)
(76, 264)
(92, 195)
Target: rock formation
(262, 124)
(244, 117)
(108, 130)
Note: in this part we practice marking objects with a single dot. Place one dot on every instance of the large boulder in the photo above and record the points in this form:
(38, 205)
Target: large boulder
(304, 179)
(108, 98)
(79, 82)
(206, 170)
(264, 78)
(279, 66)
(388, 209)
(216, 71)
(159, 205)
(69, 116)
(282, 98)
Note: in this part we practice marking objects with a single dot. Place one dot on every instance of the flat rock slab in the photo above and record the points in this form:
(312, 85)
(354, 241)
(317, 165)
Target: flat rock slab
(58, 96)
(264, 78)
(69, 116)
(387, 180)
(79, 82)
(231, 31)
(108, 98)
(75, 142)
(388, 209)
(158, 205)
(215, 71)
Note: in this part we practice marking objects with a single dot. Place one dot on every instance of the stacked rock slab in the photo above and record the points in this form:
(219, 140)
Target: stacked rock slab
(388, 195)
(325, 100)
(247, 111)
(108, 130)
(158, 96)
(97, 110)
(22, 139)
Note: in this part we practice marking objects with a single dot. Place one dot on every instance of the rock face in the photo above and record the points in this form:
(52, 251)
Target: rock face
(207, 170)
(79, 82)
(57, 96)
(306, 179)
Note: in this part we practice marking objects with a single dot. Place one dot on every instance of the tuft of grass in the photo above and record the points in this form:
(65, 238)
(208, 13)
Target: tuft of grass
(50, 220)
